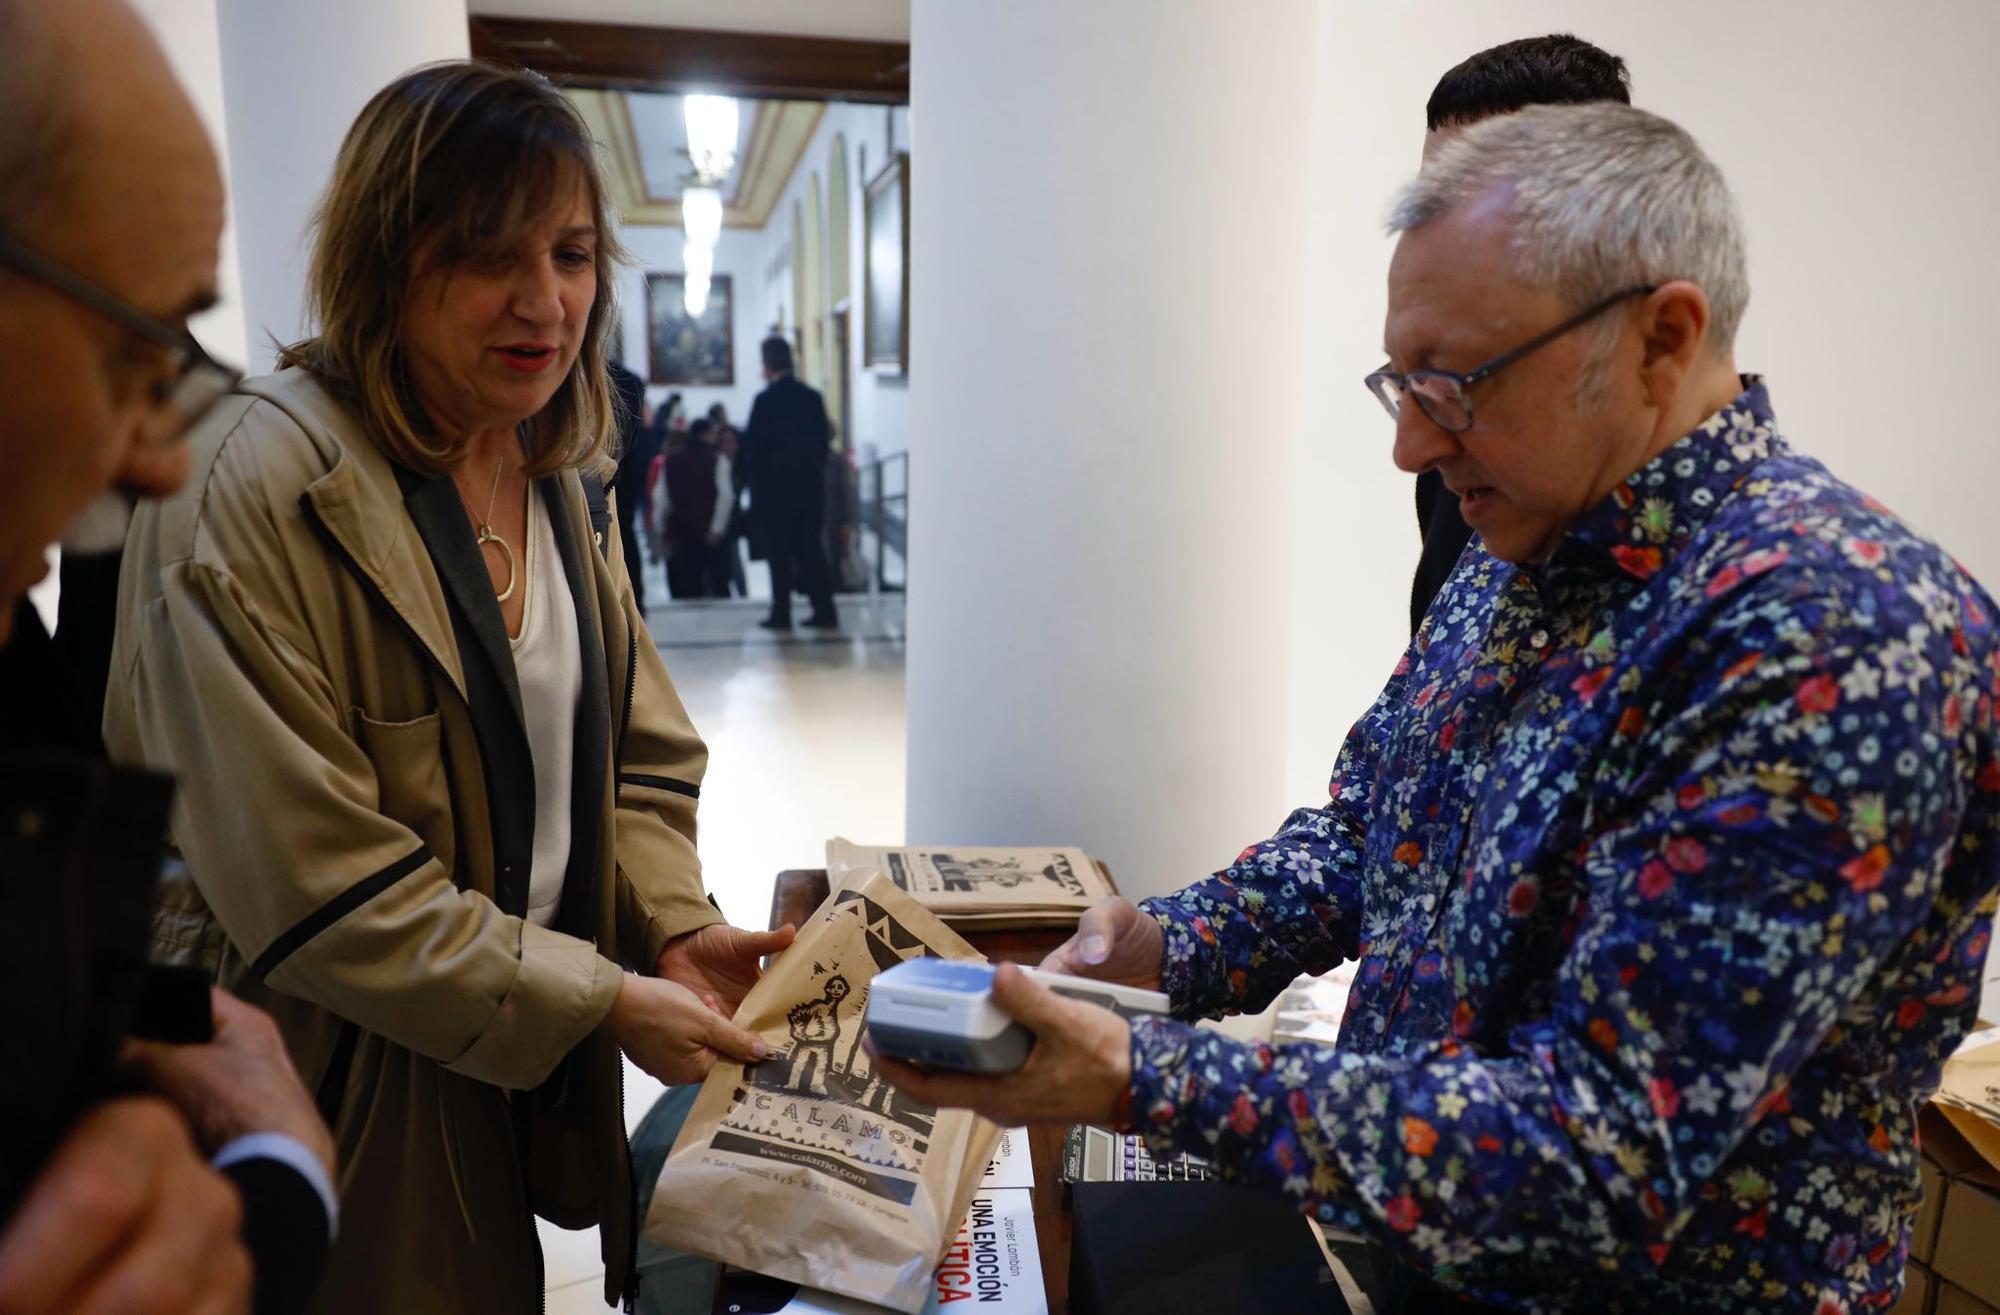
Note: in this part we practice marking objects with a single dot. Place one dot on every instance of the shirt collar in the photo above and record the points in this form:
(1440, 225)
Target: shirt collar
(1652, 515)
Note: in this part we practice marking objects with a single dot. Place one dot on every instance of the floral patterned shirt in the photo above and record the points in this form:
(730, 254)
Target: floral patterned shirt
(1670, 865)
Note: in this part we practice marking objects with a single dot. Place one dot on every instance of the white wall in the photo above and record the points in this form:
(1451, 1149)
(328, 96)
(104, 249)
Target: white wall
(881, 401)
(1108, 211)
(1860, 139)
(881, 398)
(295, 74)
(189, 33)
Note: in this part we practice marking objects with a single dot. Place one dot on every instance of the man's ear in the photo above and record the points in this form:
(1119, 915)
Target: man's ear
(1673, 324)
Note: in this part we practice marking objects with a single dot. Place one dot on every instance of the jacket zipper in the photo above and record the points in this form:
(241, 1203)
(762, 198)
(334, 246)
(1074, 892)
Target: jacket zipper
(625, 715)
(632, 1200)
(629, 1296)
(631, 1279)
(541, 1272)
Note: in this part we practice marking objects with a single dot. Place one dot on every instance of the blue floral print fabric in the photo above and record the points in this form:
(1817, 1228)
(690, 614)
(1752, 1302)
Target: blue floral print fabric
(1670, 865)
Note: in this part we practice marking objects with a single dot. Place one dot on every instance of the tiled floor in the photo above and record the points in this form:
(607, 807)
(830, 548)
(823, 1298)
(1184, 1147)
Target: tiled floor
(805, 739)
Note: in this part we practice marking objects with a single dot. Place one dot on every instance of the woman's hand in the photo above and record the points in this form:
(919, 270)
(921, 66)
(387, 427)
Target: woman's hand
(1114, 942)
(720, 963)
(1080, 1070)
(666, 1030)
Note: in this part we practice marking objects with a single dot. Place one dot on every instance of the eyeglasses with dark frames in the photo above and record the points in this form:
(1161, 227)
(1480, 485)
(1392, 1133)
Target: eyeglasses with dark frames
(196, 382)
(1445, 395)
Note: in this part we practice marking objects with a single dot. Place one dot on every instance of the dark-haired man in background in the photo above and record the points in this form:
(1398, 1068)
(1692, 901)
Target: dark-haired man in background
(784, 465)
(1558, 69)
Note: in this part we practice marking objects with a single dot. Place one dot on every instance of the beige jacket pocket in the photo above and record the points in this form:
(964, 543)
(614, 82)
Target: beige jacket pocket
(410, 778)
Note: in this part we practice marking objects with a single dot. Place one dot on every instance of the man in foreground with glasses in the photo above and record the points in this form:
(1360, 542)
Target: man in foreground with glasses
(1669, 851)
(110, 215)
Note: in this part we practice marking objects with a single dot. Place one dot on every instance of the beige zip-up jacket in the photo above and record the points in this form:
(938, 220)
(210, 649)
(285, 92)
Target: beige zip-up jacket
(307, 640)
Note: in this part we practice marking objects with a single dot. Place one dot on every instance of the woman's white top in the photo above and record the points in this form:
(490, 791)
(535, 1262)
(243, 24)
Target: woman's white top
(548, 662)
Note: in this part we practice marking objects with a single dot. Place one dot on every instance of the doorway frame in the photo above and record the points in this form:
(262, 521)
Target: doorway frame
(754, 65)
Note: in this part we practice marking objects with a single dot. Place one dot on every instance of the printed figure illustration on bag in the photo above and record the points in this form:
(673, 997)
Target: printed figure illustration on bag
(822, 1096)
(815, 1028)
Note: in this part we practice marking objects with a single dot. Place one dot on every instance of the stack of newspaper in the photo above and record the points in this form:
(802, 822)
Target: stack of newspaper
(980, 889)
(1311, 1008)
(1969, 1091)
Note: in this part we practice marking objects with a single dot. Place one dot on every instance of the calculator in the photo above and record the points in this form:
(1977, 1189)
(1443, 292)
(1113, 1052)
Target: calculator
(1094, 1155)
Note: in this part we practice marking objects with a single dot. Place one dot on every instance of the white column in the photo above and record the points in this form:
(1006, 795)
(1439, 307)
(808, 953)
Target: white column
(1107, 233)
(295, 74)
(188, 31)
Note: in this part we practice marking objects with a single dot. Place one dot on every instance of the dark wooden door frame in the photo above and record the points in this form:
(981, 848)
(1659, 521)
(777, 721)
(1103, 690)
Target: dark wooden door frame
(750, 64)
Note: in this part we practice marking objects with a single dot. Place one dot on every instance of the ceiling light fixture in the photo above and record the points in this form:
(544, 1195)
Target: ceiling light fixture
(701, 214)
(712, 123)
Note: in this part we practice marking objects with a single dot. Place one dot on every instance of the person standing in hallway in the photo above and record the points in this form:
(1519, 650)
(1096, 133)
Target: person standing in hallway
(214, 1191)
(1558, 69)
(729, 442)
(696, 497)
(724, 565)
(439, 793)
(635, 458)
(785, 449)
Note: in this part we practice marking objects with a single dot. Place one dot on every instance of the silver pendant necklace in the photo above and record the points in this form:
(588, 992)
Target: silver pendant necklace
(484, 533)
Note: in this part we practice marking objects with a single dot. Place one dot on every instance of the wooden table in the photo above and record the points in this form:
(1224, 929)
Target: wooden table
(801, 891)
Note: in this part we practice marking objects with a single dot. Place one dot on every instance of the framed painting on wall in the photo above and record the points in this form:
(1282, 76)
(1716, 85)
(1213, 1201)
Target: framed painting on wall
(683, 349)
(885, 277)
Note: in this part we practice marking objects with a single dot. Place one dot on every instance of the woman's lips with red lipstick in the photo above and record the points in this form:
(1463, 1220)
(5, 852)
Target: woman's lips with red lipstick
(527, 357)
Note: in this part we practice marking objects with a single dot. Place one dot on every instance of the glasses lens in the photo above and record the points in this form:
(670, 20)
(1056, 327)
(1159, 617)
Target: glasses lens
(1442, 400)
(1388, 391)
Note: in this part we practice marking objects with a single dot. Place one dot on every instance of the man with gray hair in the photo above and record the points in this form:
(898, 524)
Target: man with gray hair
(111, 1199)
(1669, 852)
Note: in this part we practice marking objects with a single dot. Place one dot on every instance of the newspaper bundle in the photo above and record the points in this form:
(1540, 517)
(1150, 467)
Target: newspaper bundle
(854, 1187)
(1311, 1008)
(1969, 1092)
(980, 889)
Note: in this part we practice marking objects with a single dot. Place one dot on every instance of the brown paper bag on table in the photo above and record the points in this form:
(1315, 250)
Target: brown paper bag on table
(807, 1166)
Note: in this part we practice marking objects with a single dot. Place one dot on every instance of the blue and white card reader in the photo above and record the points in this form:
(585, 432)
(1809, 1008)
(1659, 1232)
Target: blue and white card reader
(941, 1012)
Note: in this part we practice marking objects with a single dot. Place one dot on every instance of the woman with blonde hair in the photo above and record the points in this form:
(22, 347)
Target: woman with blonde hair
(438, 794)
